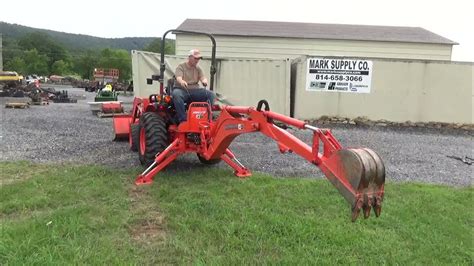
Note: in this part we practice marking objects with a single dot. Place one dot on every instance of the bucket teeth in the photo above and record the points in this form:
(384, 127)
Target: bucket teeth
(356, 210)
(366, 211)
(374, 175)
(359, 175)
(367, 206)
(377, 206)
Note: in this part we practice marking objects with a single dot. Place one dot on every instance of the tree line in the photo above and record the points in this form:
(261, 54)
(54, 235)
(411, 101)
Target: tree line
(37, 53)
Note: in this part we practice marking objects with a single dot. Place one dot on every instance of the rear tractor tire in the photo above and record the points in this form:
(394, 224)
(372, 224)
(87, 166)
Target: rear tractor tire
(208, 162)
(153, 137)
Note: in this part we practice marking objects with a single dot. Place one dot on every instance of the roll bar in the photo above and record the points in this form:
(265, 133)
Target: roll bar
(162, 63)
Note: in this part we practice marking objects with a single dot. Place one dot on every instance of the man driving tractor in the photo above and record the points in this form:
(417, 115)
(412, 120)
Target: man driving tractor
(107, 87)
(186, 89)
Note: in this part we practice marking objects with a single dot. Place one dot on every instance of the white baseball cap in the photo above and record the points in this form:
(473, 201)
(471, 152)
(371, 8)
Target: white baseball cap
(195, 53)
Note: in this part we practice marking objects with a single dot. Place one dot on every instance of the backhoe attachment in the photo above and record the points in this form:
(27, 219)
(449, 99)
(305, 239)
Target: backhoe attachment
(357, 173)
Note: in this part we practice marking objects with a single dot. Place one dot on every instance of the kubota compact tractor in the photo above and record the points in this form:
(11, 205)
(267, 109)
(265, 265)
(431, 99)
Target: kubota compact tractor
(358, 173)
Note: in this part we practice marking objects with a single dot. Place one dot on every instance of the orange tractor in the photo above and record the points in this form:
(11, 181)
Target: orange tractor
(357, 173)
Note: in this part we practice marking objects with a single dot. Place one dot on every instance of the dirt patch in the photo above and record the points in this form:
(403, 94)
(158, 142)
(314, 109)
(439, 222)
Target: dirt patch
(150, 227)
(148, 230)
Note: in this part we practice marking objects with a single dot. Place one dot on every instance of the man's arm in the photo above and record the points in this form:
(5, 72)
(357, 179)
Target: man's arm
(182, 82)
(179, 77)
(204, 81)
(202, 78)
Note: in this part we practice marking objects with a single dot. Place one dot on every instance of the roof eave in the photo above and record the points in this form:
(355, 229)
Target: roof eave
(335, 39)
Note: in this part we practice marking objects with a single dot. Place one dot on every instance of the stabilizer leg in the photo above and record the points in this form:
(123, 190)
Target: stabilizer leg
(161, 161)
(240, 170)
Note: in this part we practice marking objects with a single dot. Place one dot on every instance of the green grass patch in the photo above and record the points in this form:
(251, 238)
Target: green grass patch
(62, 214)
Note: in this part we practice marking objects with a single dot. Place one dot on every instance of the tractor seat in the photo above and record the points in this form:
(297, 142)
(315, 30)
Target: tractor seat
(170, 85)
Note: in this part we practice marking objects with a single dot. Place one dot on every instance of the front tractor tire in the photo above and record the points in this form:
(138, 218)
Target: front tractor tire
(153, 137)
(134, 137)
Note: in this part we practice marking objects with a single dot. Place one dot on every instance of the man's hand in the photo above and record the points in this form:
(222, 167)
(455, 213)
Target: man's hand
(184, 84)
(204, 82)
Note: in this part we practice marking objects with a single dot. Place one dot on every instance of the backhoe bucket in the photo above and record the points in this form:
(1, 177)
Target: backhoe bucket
(122, 126)
(359, 175)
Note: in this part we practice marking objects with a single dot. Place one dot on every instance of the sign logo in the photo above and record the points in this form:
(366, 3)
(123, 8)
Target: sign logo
(199, 114)
(338, 75)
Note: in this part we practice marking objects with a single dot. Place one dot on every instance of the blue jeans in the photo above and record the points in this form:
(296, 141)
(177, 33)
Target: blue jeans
(181, 96)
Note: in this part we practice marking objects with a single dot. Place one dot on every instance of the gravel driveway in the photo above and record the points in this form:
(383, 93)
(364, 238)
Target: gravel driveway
(70, 133)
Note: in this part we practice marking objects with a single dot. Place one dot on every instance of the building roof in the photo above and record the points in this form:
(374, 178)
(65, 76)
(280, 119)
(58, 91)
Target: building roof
(313, 31)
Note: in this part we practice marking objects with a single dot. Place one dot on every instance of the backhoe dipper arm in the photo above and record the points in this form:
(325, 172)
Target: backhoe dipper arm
(358, 174)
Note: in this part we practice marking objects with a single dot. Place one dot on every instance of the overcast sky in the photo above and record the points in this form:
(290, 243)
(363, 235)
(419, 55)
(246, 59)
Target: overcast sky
(140, 18)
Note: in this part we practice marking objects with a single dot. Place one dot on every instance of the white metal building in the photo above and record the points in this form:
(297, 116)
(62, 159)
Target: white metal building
(262, 39)
(409, 74)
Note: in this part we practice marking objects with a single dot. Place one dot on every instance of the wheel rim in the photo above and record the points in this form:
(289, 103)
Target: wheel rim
(142, 141)
(130, 138)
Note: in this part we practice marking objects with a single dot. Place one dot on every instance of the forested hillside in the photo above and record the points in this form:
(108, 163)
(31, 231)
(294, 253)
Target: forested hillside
(77, 41)
(43, 52)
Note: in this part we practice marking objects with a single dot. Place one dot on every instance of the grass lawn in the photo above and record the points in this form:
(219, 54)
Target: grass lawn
(53, 214)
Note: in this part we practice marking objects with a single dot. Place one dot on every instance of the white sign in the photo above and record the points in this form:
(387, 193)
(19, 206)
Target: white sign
(339, 75)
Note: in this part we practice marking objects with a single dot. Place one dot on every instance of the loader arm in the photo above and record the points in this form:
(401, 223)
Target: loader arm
(358, 174)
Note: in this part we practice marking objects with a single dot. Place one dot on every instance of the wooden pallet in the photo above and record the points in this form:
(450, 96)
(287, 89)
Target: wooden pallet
(17, 105)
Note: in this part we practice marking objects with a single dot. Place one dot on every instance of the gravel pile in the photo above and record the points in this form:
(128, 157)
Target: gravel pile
(61, 132)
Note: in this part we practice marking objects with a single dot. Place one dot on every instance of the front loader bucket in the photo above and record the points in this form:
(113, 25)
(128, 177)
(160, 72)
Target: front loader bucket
(112, 107)
(122, 126)
(359, 175)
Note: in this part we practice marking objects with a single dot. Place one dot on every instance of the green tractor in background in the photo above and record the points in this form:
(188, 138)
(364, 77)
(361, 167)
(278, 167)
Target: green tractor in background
(105, 77)
(107, 94)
